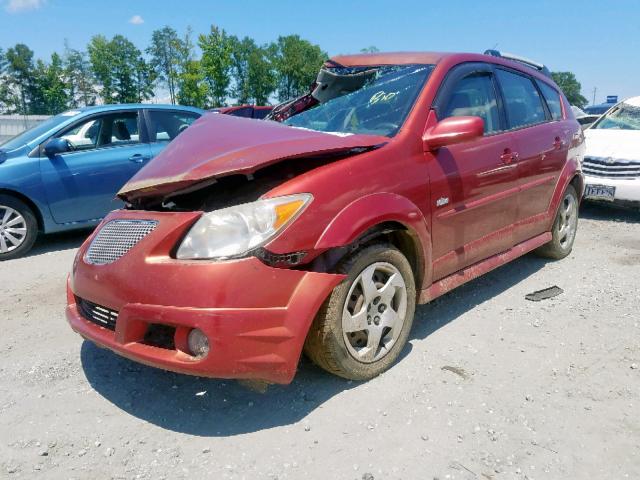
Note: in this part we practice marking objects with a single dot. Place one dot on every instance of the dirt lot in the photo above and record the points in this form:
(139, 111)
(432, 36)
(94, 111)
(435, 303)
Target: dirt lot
(492, 386)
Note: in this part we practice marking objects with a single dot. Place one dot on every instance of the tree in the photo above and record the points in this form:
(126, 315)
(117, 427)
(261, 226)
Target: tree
(80, 79)
(571, 87)
(192, 86)
(254, 79)
(216, 64)
(370, 49)
(20, 77)
(296, 62)
(121, 71)
(50, 94)
(5, 92)
(167, 51)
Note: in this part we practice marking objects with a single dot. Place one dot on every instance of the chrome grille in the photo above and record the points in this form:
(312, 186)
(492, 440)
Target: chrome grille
(116, 238)
(611, 167)
(102, 316)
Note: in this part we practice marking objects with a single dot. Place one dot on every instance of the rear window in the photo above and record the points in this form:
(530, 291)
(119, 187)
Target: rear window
(552, 97)
(523, 102)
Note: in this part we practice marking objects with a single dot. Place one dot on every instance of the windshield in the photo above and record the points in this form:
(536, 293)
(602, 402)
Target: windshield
(34, 132)
(622, 117)
(378, 107)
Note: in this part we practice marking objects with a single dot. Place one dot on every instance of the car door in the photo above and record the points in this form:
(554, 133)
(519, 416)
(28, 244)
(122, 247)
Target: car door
(105, 151)
(165, 125)
(542, 143)
(473, 184)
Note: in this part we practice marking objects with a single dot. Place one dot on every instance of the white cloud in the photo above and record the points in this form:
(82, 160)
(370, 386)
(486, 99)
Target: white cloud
(136, 20)
(14, 6)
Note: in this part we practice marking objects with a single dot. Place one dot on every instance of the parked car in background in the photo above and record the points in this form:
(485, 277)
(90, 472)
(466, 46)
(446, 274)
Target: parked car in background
(396, 179)
(583, 118)
(612, 160)
(247, 111)
(598, 109)
(64, 173)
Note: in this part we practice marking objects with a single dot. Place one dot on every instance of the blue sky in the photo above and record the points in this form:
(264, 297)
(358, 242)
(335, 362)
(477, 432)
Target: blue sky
(599, 41)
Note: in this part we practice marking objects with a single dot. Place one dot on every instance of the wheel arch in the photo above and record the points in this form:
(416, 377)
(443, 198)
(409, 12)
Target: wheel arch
(378, 217)
(30, 203)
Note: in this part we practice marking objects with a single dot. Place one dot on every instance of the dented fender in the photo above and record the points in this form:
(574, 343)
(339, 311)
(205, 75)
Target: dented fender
(361, 215)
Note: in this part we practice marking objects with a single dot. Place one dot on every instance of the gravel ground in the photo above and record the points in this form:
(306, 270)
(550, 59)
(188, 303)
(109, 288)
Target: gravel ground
(492, 386)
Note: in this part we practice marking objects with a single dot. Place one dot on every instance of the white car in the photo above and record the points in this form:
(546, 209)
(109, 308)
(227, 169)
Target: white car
(612, 160)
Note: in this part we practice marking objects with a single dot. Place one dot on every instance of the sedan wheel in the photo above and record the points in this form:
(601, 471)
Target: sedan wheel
(13, 229)
(18, 227)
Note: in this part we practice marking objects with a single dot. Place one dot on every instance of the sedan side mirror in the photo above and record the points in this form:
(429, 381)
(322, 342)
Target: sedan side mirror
(452, 130)
(56, 146)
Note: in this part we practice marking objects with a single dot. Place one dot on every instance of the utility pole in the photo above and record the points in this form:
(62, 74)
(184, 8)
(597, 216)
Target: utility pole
(595, 89)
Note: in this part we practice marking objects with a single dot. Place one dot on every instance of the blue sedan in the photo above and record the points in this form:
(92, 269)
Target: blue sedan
(64, 173)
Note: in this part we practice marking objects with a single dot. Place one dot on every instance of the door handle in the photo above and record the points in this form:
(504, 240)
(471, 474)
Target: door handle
(558, 144)
(137, 158)
(508, 156)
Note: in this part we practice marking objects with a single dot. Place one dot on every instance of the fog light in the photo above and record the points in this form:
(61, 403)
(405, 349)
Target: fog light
(198, 343)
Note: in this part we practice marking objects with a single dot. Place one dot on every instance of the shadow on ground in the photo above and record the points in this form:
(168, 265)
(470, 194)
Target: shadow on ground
(58, 241)
(227, 408)
(611, 213)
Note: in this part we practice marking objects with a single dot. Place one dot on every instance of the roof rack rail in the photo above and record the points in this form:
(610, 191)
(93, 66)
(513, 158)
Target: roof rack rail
(516, 58)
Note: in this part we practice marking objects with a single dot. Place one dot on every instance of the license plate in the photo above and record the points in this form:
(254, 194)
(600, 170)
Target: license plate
(600, 192)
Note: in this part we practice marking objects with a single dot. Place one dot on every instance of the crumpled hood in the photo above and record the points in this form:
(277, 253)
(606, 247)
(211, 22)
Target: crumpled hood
(219, 145)
(618, 144)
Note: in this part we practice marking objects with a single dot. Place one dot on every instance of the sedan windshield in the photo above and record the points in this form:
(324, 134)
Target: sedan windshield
(378, 107)
(622, 117)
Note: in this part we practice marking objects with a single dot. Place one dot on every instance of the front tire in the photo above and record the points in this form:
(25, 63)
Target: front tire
(18, 228)
(365, 323)
(564, 227)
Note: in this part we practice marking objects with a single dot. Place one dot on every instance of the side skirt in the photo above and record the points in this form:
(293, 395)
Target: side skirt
(477, 269)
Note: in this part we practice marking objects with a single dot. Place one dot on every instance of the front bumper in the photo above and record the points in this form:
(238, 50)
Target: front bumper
(256, 317)
(627, 190)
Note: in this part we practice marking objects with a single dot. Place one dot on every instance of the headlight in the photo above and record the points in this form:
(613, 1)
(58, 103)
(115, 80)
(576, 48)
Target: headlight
(236, 230)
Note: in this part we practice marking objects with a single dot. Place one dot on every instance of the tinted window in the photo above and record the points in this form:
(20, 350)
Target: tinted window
(260, 113)
(475, 96)
(104, 131)
(552, 97)
(522, 101)
(167, 125)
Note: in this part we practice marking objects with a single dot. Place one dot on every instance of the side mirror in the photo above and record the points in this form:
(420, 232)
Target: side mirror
(56, 146)
(452, 130)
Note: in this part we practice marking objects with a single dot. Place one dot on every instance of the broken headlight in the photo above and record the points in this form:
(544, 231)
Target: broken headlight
(234, 231)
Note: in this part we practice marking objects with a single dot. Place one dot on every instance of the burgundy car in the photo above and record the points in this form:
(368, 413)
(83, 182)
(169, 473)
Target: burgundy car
(397, 178)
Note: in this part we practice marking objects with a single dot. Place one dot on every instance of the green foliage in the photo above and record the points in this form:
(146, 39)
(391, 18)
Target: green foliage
(216, 64)
(252, 72)
(230, 70)
(122, 73)
(80, 78)
(20, 70)
(571, 87)
(371, 49)
(296, 63)
(192, 86)
(168, 52)
(50, 94)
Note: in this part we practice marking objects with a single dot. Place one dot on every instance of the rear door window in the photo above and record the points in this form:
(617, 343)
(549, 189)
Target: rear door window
(552, 97)
(165, 125)
(474, 95)
(522, 100)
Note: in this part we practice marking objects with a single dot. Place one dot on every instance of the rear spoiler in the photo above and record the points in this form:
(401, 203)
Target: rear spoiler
(524, 61)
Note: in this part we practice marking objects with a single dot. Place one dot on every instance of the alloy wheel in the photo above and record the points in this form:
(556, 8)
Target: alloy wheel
(374, 312)
(568, 221)
(13, 229)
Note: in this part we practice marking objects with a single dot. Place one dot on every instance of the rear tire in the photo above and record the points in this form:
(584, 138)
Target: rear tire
(564, 227)
(18, 228)
(364, 324)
